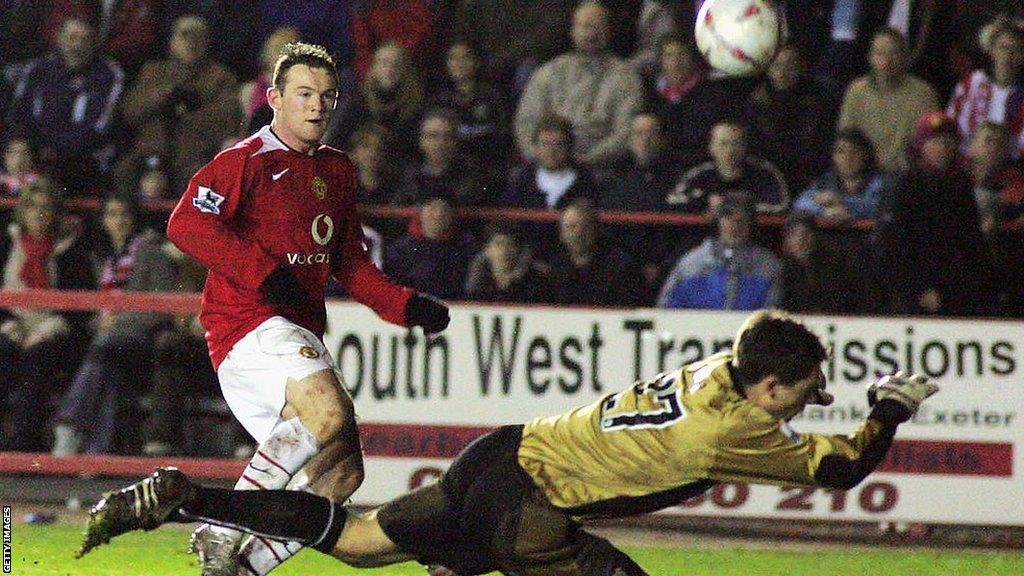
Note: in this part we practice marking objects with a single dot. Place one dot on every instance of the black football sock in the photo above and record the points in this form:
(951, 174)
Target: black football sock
(292, 515)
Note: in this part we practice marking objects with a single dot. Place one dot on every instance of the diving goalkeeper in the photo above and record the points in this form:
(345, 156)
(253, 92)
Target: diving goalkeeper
(514, 499)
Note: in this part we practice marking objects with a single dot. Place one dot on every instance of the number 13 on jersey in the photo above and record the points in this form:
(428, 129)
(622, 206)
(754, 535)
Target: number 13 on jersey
(653, 404)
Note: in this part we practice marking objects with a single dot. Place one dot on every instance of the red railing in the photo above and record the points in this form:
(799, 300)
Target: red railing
(528, 215)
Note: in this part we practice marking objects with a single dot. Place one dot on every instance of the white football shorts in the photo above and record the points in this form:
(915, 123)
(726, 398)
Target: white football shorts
(254, 374)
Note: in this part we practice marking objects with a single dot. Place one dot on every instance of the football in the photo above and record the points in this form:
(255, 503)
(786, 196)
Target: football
(738, 37)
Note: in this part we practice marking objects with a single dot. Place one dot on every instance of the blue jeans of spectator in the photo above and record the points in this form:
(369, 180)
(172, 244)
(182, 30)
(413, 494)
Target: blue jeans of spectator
(111, 369)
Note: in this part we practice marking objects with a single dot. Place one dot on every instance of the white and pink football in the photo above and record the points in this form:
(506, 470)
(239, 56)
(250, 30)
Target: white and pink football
(738, 37)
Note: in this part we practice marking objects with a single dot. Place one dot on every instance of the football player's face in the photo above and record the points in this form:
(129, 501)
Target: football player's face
(304, 106)
(791, 400)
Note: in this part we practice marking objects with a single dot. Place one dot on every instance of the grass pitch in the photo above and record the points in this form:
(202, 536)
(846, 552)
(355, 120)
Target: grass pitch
(47, 550)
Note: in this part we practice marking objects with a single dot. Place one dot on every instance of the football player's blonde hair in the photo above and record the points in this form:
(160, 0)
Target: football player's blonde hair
(296, 53)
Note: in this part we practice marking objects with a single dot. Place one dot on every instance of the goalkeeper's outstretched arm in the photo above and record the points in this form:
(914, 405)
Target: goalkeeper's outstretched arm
(895, 399)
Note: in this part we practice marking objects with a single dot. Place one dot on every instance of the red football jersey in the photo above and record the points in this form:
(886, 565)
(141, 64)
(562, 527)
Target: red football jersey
(259, 205)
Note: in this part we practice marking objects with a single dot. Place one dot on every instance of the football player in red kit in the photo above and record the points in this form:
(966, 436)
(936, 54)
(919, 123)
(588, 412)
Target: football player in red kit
(272, 218)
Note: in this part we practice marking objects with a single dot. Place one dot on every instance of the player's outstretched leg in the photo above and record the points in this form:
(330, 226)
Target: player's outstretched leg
(144, 505)
(288, 515)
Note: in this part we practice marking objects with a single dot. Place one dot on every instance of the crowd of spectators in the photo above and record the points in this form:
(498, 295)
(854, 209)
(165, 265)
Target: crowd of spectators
(876, 167)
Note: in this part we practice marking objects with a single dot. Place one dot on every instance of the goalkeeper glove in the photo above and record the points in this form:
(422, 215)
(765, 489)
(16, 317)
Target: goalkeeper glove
(427, 312)
(909, 391)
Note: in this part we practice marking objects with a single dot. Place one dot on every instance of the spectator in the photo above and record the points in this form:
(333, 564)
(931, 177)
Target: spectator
(996, 180)
(368, 150)
(253, 94)
(976, 22)
(64, 104)
(654, 22)
(408, 23)
(444, 172)
(41, 249)
(552, 180)
(994, 94)
(512, 47)
(853, 187)
(588, 270)
(727, 271)
(929, 249)
(434, 256)
(886, 102)
(642, 182)
(182, 108)
(731, 170)
(598, 93)
(125, 30)
(816, 276)
(641, 185)
(19, 167)
(123, 341)
(240, 28)
(483, 112)
(787, 113)
(391, 95)
(931, 32)
(505, 270)
(687, 102)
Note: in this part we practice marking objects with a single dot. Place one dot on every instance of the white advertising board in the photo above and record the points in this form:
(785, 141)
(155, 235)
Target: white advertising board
(419, 401)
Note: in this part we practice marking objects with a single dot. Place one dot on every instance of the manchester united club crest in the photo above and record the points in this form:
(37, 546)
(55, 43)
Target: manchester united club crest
(319, 187)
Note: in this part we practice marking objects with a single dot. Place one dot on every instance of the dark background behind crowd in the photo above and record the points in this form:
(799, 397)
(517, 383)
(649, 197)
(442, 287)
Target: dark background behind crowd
(875, 168)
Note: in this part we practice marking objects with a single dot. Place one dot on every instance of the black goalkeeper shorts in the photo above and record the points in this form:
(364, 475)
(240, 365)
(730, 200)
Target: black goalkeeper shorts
(485, 514)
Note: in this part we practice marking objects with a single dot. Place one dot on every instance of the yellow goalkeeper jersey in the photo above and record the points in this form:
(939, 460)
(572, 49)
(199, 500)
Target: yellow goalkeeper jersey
(664, 440)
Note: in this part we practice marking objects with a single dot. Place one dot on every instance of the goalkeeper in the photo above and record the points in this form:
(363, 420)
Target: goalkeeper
(514, 500)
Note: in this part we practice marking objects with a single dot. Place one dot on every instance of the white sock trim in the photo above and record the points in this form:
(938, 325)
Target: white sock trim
(330, 522)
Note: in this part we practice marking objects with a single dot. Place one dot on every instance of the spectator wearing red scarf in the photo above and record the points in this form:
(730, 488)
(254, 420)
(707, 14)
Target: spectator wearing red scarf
(39, 250)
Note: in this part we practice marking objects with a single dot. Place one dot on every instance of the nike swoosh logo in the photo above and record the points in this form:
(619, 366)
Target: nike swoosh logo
(276, 177)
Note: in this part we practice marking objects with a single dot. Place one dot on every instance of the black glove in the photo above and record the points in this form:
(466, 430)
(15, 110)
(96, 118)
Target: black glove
(281, 288)
(427, 312)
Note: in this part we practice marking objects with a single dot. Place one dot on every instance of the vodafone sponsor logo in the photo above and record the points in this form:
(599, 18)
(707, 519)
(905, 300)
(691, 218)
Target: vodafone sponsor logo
(295, 258)
(322, 229)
